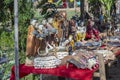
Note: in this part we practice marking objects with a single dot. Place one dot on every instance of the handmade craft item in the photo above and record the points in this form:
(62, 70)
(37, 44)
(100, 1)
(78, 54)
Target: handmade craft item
(91, 63)
(32, 42)
(82, 59)
(81, 32)
(49, 61)
(46, 62)
(108, 55)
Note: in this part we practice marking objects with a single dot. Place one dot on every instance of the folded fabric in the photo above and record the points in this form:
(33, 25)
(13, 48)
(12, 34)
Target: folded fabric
(76, 63)
(96, 43)
(114, 38)
(88, 44)
(116, 44)
(78, 44)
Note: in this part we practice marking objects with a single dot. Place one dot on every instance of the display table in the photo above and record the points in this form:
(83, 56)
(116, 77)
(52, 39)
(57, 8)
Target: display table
(70, 72)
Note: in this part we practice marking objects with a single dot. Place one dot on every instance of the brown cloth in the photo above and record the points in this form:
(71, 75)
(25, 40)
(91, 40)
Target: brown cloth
(32, 43)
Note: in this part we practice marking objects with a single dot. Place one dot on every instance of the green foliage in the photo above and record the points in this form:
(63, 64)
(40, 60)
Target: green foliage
(6, 40)
(41, 2)
(101, 5)
(25, 13)
(48, 9)
(7, 66)
(107, 4)
(6, 13)
(58, 2)
(45, 12)
(94, 7)
(38, 16)
(6, 10)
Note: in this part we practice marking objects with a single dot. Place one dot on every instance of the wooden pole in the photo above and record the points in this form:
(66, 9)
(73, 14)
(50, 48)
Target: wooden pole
(86, 5)
(16, 39)
(101, 67)
(75, 6)
(82, 10)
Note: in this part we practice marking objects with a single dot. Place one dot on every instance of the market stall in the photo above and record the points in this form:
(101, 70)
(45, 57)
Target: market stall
(59, 47)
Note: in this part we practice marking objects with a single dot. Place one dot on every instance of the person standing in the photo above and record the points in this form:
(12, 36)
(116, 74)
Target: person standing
(101, 19)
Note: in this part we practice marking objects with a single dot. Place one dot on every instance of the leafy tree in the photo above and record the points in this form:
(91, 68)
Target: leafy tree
(6, 12)
(25, 12)
(94, 7)
(107, 4)
(45, 5)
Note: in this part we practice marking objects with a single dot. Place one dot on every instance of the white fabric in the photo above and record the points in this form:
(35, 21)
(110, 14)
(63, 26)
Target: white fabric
(49, 27)
(50, 20)
(40, 27)
(44, 22)
(33, 22)
(81, 30)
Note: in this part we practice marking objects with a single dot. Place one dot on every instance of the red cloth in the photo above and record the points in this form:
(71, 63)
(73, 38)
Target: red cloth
(117, 53)
(64, 5)
(70, 72)
(91, 31)
(94, 32)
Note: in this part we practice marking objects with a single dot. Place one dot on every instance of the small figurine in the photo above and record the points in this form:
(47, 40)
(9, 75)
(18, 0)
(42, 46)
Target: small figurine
(70, 50)
(91, 63)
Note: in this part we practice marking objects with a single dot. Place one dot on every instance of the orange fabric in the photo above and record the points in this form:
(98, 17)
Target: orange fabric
(33, 43)
(30, 42)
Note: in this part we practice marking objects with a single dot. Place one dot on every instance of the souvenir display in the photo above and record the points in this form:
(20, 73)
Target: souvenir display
(92, 45)
(81, 32)
(82, 59)
(49, 61)
(50, 50)
(55, 41)
(46, 62)
(114, 38)
(32, 42)
(107, 54)
(117, 32)
(116, 44)
(69, 46)
(91, 63)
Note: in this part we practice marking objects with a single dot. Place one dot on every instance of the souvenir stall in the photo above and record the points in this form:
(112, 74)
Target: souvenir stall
(58, 47)
(45, 56)
(46, 49)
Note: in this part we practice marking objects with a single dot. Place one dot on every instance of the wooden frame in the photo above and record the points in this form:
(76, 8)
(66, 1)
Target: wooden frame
(102, 72)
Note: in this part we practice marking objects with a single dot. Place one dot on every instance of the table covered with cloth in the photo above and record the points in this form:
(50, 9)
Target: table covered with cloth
(62, 71)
